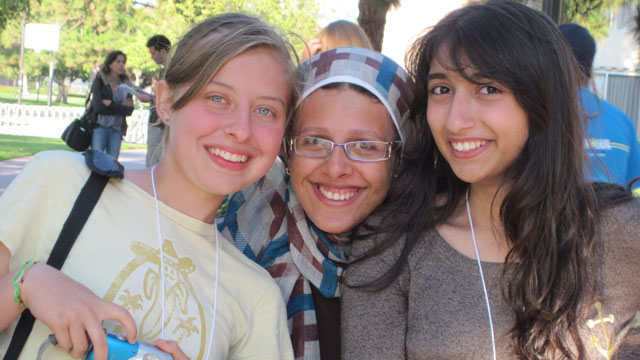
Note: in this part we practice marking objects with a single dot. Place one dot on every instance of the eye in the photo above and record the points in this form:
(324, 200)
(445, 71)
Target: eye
(264, 111)
(308, 140)
(489, 90)
(440, 90)
(216, 98)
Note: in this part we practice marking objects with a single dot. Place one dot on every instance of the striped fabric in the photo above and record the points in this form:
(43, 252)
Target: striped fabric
(369, 69)
(267, 222)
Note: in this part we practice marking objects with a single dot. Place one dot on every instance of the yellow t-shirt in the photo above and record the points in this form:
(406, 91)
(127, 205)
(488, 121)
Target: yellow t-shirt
(117, 256)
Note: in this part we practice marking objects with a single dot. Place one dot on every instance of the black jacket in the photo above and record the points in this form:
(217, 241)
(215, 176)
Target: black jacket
(102, 91)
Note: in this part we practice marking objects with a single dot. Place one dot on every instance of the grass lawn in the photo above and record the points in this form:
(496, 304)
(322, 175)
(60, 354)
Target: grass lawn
(12, 146)
(9, 95)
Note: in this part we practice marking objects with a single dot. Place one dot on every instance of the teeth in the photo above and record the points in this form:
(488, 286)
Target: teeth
(468, 145)
(228, 156)
(335, 196)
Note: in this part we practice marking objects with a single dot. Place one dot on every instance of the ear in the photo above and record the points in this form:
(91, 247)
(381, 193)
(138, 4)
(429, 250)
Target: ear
(164, 100)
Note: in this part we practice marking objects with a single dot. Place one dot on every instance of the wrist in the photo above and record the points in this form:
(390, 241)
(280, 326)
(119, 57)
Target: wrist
(18, 281)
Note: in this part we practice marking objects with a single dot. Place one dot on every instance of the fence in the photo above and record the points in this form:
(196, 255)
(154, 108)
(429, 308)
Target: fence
(622, 90)
(44, 121)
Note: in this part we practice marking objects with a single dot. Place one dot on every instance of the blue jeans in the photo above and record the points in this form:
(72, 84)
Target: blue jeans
(107, 140)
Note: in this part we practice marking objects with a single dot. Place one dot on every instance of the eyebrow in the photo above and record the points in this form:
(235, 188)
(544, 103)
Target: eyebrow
(437, 75)
(323, 131)
(272, 98)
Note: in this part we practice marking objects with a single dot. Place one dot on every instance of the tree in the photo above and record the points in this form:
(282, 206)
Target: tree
(92, 28)
(373, 18)
(592, 14)
(10, 10)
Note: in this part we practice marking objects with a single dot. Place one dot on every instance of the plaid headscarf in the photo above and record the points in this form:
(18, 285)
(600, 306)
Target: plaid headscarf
(267, 222)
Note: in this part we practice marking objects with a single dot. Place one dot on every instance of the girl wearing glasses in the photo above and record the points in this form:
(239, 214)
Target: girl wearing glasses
(149, 256)
(340, 154)
(508, 251)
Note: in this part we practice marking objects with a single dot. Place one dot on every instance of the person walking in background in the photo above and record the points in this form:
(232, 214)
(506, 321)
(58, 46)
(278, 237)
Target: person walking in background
(112, 104)
(339, 33)
(159, 46)
(612, 142)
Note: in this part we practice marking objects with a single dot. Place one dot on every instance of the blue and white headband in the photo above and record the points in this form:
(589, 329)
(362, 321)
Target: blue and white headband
(369, 69)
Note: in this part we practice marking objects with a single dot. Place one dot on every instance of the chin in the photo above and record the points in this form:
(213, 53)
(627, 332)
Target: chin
(335, 227)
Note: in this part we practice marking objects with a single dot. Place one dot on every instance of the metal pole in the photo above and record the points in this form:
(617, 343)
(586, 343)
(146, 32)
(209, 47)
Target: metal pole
(552, 8)
(50, 79)
(24, 21)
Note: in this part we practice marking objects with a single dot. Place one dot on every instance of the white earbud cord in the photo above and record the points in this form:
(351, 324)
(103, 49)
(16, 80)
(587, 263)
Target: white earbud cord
(155, 197)
(215, 291)
(484, 286)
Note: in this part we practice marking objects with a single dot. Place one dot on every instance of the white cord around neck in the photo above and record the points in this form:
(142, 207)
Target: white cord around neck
(484, 286)
(217, 255)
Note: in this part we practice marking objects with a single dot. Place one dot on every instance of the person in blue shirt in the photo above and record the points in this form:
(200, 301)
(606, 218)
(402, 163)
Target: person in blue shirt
(611, 137)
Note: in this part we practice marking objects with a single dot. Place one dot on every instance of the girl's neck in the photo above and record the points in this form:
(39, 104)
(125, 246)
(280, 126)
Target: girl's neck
(484, 204)
(114, 78)
(174, 192)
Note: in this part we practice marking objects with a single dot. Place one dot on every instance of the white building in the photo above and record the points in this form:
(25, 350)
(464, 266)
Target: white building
(617, 64)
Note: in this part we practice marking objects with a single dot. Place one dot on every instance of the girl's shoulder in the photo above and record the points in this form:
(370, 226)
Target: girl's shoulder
(621, 220)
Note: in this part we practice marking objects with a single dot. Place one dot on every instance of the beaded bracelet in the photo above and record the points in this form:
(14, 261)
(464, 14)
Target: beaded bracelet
(18, 279)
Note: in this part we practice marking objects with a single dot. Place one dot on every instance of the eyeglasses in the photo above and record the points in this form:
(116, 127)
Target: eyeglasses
(364, 150)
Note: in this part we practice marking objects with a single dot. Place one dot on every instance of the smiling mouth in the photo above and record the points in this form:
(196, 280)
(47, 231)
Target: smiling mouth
(337, 195)
(237, 158)
(468, 145)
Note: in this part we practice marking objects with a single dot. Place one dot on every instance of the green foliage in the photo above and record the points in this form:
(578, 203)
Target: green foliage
(12, 9)
(592, 14)
(13, 146)
(92, 28)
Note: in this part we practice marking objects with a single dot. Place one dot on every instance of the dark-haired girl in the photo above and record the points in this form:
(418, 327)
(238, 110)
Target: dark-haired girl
(499, 247)
(111, 103)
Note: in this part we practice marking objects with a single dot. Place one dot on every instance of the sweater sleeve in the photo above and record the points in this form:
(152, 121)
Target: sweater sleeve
(374, 324)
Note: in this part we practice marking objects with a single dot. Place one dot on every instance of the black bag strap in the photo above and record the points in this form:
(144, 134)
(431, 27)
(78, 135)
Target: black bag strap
(86, 101)
(82, 207)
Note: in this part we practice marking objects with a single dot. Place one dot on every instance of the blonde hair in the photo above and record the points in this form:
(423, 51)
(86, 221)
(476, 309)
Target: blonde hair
(210, 44)
(343, 33)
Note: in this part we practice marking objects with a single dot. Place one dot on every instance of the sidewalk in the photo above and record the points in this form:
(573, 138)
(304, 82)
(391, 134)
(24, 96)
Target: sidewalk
(130, 159)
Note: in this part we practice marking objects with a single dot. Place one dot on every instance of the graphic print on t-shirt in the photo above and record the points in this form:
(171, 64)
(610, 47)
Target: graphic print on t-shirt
(184, 316)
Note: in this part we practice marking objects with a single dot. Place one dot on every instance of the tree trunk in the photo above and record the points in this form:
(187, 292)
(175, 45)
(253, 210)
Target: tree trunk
(372, 19)
(63, 90)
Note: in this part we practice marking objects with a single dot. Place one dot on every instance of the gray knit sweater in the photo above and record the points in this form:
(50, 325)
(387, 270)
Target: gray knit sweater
(436, 308)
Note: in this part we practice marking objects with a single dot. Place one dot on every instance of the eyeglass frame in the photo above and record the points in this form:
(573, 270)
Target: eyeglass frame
(390, 144)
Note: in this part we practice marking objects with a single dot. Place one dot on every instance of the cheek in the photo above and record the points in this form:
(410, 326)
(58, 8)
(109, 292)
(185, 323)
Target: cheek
(269, 138)
(380, 180)
(299, 168)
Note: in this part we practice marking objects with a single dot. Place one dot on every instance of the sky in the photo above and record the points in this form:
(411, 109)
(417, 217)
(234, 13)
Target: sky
(403, 23)
(337, 10)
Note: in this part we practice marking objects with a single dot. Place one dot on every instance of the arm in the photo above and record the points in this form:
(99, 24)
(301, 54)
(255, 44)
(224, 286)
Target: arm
(110, 107)
(374, 324)
(633, 170)
(70, 310)
(124, 108)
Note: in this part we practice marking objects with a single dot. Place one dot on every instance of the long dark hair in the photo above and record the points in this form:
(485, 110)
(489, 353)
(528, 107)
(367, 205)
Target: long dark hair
(549, 213)
(109, 59)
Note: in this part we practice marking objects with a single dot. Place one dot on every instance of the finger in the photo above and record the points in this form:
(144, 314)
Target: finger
(79, 342)
(98, 340)
(118, 313)
(171, 347)
(63, 338)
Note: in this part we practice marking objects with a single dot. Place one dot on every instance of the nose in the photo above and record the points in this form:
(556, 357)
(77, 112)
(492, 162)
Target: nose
(461, 112)
(239, 124)
(338, 164)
